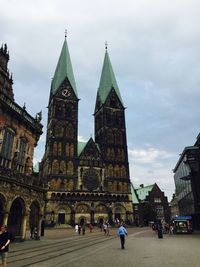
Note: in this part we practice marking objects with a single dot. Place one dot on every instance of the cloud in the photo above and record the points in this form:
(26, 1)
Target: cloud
(149, 155)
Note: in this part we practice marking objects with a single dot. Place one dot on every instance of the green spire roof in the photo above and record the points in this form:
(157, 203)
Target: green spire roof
(81, 146)
(107, 81)
(63, 70)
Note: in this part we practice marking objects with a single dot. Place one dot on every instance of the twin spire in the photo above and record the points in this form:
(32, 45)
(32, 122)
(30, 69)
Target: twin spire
(64, 70)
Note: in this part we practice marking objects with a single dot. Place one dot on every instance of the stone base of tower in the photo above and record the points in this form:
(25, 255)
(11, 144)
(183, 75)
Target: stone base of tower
(84, 208)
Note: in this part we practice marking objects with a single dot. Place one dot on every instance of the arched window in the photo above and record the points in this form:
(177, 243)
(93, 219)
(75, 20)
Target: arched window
(112, 154)
(55, 167)
(71, 150)
(119, 187)
(55, 149)
(123, 172)
(70, 168)
(110, 136)
(67, 150)
(68, 111)
(59, 149)
(8, 138)
(110, 170)
(58, 130)
(22, 151)
(70, 131)
(117, 171)
(63, 167)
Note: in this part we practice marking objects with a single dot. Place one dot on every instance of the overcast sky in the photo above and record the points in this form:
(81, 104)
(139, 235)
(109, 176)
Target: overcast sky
(154, 47)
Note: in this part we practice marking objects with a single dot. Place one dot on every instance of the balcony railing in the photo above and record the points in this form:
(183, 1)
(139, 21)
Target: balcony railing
(20, 178)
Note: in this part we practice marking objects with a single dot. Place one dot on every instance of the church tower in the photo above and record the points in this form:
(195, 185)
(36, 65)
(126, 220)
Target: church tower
(110, 131)
(59, 165)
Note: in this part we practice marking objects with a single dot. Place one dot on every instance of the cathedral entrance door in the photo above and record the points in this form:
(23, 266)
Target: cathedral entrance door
(117, 217)
(61, 218)
(82, 221)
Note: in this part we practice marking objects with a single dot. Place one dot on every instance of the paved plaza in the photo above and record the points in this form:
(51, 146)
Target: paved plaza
(63, 247)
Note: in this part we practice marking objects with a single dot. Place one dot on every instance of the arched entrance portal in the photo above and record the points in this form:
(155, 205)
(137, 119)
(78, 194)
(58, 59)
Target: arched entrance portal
(15, 219)
(120, 214)
(34, 215)
(61, 217)
(82, 221)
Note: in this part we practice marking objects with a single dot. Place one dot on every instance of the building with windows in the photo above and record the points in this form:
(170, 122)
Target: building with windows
(187, 183)
(86, 181)
(150, 204)
(21, 192)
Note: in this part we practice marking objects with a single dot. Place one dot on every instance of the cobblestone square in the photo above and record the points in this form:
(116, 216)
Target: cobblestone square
(63, 247)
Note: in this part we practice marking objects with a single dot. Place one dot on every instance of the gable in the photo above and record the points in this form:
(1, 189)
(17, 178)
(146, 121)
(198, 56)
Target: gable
(90, 151)
(113, 100)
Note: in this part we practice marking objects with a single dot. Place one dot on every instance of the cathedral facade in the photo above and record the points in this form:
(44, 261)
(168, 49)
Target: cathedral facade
(87, 182)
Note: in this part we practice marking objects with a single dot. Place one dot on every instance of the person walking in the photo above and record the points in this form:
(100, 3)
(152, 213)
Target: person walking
(79, 229)
(90, 227)
(122, 232)
(4, 244)
(108, 229)
(83, 229)
(76, 228)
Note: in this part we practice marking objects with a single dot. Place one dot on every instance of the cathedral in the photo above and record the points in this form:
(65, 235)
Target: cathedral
(78, 182)
(86, 182)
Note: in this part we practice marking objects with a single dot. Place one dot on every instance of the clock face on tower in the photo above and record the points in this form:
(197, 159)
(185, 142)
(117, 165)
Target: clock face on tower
(65, 92)
(90, 179)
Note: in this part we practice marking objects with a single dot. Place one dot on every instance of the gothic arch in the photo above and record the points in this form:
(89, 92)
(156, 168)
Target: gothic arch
(59, 149)
(63, 167)
(16, 216)
(116, 171)
(71, 150)
(55, 149)
(70, 168)
(110, 170)
(67, 149)
(101, 208)
(58, 129)
(82, 208)
(70, 131)
(110, 136)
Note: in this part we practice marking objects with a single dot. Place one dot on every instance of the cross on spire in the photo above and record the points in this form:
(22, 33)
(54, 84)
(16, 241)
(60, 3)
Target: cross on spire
(106, 45)
(65, 33)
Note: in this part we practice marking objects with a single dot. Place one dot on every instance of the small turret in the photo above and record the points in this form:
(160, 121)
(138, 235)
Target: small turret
(6, 80)
(4, 56)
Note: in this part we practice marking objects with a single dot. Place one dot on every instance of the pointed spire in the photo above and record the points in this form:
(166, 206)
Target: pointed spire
(107, 80)
(63, 70)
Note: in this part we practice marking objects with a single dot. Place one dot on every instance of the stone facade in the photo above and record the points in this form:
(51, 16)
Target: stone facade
(86, 181)
(21, 192)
